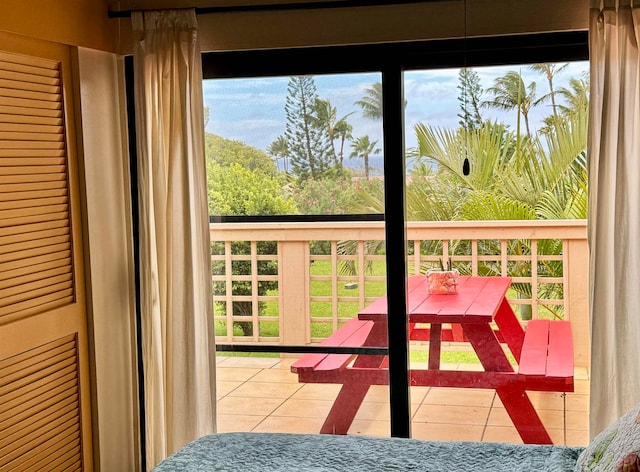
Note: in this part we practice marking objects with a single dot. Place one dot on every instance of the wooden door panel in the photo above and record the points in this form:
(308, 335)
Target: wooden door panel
(45, 414)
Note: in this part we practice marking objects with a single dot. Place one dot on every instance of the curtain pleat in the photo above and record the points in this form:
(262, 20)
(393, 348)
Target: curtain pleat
(614, 209)
(175, 274)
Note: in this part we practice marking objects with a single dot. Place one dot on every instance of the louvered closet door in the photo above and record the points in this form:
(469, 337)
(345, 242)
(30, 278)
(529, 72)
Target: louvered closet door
(45, 421)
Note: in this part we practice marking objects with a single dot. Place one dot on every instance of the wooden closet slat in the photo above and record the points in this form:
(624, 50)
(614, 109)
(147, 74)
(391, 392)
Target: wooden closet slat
(37, 303)
(12, 127)
(31, 103)
(39, 453)
(27, 79)
(33, 65)
(21, 113)
(40, 234)
(21, 82)
(30, 119)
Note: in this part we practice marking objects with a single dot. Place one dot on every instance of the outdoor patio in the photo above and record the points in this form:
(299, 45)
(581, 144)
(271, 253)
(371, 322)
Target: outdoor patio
(261, 394)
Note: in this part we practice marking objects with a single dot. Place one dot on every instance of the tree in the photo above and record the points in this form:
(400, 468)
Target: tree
(206, 116)
(225, 152)
(309, 145)
(279, 149)
(576, 95)
(326, 117)
(550, 71)
(510, 93)
(469, 98)
(342, 131)
(371, 103)
(362, 148)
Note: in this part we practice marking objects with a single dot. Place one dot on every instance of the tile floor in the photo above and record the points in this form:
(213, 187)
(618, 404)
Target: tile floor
(261, 394)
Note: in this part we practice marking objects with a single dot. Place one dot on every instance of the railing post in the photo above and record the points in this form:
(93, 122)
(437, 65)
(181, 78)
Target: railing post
(293, 291)
(577, 298)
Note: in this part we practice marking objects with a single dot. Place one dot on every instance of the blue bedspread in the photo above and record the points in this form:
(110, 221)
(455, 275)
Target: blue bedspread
(280, 452)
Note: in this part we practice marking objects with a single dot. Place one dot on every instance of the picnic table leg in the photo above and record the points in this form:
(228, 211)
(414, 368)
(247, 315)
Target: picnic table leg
(344, 409)
(524, 416)
(434, 346)
(352, 394)
(510, 328)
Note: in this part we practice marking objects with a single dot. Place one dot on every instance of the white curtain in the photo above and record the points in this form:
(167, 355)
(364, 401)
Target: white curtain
(614, 209)
(175, 275)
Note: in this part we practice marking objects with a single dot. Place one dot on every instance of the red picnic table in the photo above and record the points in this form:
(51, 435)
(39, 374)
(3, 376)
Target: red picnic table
(478, 314)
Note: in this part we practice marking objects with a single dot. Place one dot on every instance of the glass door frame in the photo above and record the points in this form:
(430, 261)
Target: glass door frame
(392, 60)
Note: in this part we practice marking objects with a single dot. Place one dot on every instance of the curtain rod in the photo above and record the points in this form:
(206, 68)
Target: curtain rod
(322, 4)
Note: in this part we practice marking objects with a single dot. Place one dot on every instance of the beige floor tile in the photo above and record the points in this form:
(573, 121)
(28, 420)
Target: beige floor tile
(290, 424)
(577, 437)
(224, 387)
(263, 395)
(547, 400)
(552, 419)
(370, 428)
(276, 375)
(581, 386)
(235, 373)
(578, 420)
(453, 414)
(285, 361)
(248, 405)
(265, 389)
(557, 436)
(581, 373)
(418, 394)
(304, 408)
(318, 391)
(244, 423)
(505, 434)
(498, 416)
(377, 393)
(374, 411)
(446, 432)
(577, 402)
(460, 396)
(259, 362)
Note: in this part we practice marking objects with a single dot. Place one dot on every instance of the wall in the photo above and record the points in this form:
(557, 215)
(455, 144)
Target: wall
(110, 254)
(72, 22)
(428, 20)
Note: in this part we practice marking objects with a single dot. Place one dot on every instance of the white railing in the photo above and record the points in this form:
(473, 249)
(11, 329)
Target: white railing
(266, 286)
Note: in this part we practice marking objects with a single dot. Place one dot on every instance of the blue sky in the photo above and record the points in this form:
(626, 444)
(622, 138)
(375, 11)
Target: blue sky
(252, 110)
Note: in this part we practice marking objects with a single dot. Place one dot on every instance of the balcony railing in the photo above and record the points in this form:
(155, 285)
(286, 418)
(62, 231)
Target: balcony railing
(295, 283)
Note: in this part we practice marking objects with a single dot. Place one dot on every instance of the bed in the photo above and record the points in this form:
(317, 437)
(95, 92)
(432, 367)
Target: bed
(614, 450)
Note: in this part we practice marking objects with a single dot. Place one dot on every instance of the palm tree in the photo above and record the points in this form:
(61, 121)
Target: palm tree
(362, 148)
(550, 71)
(326, 117)
(511, 93)
(371, 103)
(576, 95)
(342, 130)
(544, 178)
(279, 149)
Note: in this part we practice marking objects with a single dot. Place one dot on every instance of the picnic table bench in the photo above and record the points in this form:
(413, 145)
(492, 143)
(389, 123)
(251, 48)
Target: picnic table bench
(480, 315)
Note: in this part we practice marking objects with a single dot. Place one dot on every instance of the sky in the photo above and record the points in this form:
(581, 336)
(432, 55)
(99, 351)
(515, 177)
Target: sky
(251, 110)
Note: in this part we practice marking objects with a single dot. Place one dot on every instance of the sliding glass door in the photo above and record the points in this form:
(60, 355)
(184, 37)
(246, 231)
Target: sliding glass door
(298, 249)
(495, 171)
(337, 178)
